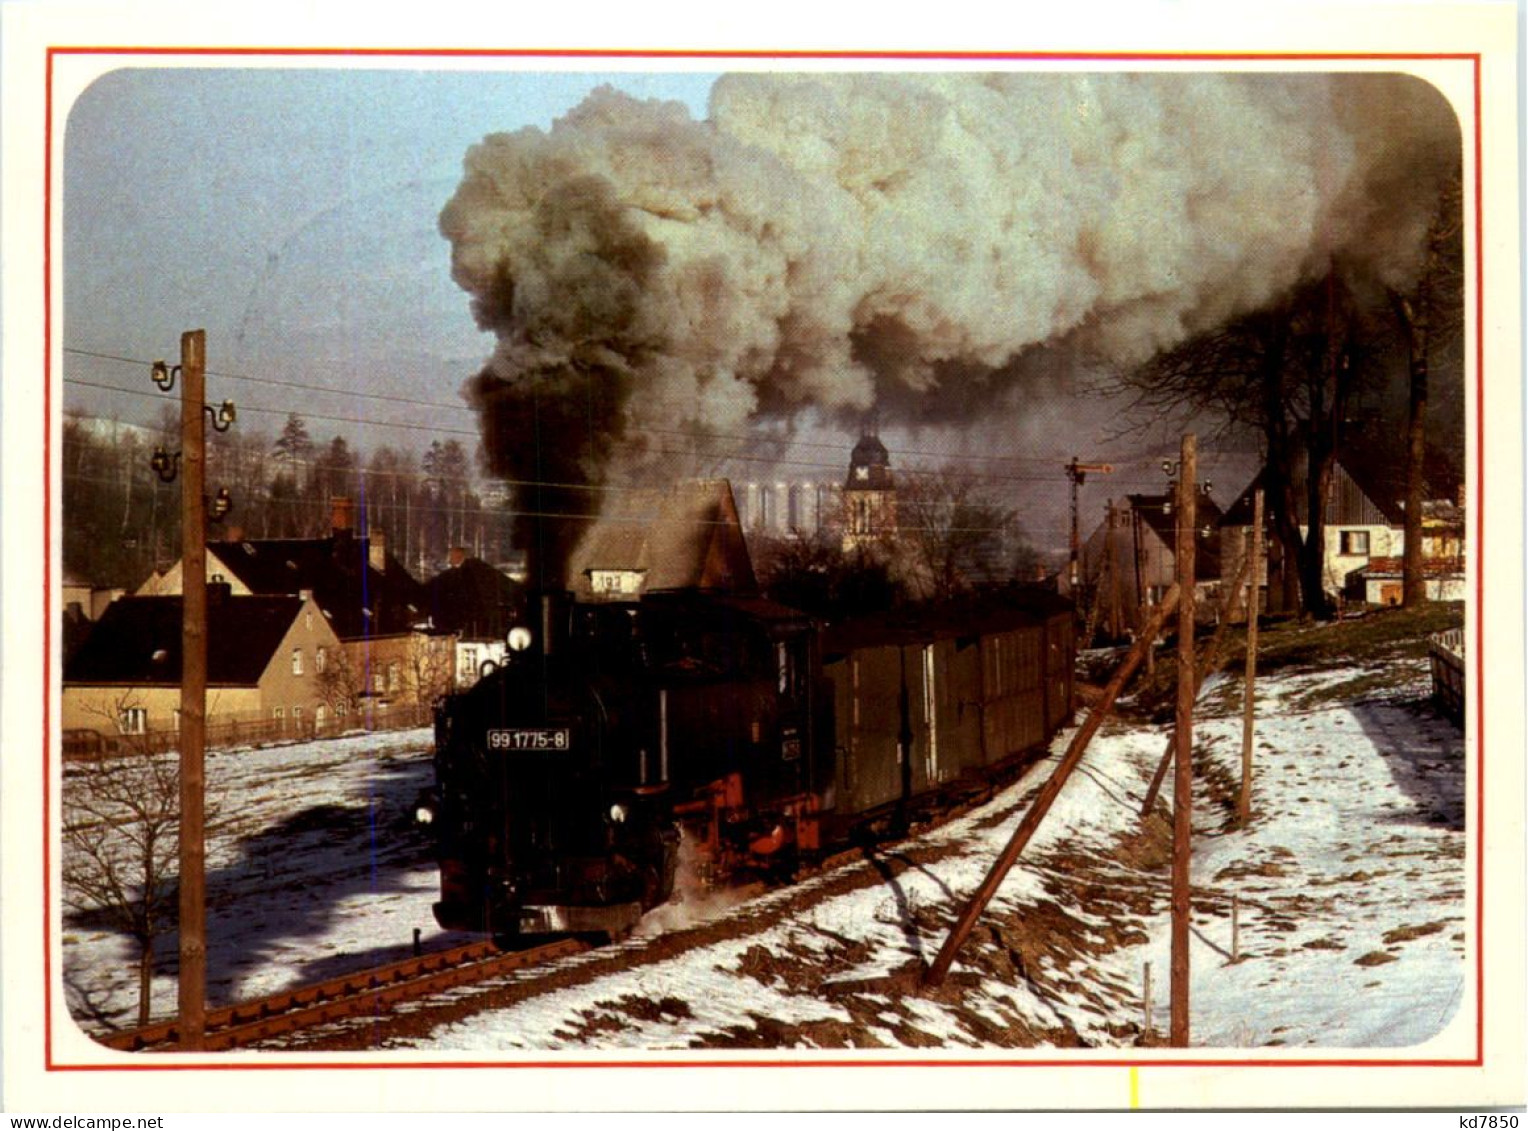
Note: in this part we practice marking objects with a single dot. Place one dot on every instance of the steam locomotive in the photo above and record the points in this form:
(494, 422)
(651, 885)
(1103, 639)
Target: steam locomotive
(564, 778)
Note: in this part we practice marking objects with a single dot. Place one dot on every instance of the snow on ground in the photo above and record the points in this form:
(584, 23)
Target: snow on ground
(1350, 881)
(313, 869)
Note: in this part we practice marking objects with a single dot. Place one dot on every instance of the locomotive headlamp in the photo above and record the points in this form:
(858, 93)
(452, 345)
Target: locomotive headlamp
(618, 814)
(424, 815)
(519, 638)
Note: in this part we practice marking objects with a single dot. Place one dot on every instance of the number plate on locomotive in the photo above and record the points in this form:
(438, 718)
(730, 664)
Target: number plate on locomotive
(530, 738)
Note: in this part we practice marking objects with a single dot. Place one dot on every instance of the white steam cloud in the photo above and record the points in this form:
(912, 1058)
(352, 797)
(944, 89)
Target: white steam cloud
(849, 243)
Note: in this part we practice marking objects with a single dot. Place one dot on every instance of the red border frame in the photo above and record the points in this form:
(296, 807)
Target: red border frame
(593, 55)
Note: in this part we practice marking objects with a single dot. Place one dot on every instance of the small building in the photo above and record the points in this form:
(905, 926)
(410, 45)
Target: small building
(686, 537)
(266, 659)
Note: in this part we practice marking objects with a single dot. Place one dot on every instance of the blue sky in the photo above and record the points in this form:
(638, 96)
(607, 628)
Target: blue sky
(292, 215)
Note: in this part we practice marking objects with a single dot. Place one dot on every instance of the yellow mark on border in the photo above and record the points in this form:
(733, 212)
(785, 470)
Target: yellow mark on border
(1135, 1088)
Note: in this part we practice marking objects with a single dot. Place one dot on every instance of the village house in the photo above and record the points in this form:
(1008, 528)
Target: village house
(1130, 561)
(393, 662)
(266, 659)
(476, 605)
(1381, 580)
(686, 537)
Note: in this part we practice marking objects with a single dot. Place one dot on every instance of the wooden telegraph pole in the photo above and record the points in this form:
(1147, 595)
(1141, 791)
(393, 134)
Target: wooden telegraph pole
(935, 974)
(1255, 551)
(1183, 777)
(193, 693)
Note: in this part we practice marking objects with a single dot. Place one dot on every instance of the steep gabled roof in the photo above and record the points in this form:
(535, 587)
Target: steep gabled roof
(686, 537)
(358, 600)
(1355, 500)
(1157, 516)
(138, 641)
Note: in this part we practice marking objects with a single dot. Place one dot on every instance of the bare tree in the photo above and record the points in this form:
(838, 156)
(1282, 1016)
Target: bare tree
(121, 840)
(1289, 373)
(813, 573)
(338, 686)
(431, 666)
(1430, 315)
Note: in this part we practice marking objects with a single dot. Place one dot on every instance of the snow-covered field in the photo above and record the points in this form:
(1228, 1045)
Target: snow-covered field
(1350, 881)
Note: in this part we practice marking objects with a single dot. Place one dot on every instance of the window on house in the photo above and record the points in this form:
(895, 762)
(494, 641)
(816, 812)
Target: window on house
(1355, 542)
(134, 720)
(394, 676)
(321, 660)
(297, 714)
(297, 661)
(279, 713)
(469, 664)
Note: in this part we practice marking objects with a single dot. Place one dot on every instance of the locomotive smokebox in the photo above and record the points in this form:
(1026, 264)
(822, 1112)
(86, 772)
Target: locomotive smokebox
(556, 616)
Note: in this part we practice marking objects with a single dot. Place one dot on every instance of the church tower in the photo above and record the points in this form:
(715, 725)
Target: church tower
(870, 496)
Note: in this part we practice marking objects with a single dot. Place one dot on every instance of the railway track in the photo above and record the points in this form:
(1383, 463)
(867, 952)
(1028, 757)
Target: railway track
(376, 991)
(365, 992)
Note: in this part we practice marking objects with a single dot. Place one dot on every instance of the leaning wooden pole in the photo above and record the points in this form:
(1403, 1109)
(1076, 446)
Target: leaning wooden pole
(1209, 660)
(935, 974)
(1255, 555)
(1183, 776)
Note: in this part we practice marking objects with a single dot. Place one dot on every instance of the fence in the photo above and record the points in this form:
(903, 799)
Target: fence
(224, 731)
(1446, 653)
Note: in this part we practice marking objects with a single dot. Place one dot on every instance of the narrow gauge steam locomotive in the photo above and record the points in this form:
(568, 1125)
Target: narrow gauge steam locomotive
(563, 778)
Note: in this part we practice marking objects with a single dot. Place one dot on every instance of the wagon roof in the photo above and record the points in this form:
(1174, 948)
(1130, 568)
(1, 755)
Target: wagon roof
(1011, 609)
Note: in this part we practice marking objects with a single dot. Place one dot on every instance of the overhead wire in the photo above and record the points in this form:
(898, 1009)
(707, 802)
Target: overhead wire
(785, 441)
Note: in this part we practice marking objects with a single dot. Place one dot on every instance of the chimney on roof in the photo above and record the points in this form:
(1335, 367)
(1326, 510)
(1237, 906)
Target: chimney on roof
(339, 508)
(376, 551)
(458, 555)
